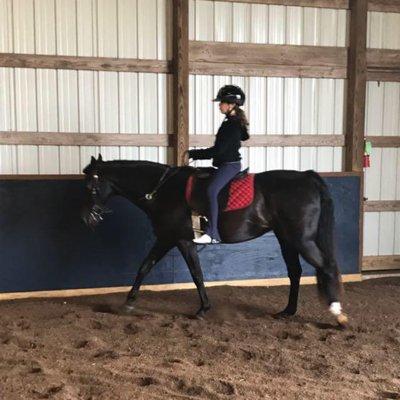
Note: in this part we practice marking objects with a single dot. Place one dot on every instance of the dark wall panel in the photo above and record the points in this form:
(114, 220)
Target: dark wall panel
(45, 246)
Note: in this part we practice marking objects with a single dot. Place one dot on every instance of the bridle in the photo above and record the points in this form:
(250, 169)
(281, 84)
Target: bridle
(164, 177)
(98, 209)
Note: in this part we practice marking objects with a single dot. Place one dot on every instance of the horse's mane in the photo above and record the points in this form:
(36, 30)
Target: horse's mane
(132, 163)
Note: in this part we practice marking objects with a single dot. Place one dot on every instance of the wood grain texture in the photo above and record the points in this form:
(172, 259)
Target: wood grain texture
(84, 139)
(376, 263)
(382, 205)
(35, 177)
(384, 141)
(276, 140)
(383, 76)
(181, 79)
(337, 4)
(356, 87)
(14, 60)
(250, 59)
(373, 5)
(383, 65)
(287, 71)
(120, 139)
(267, 54)
(384, 5)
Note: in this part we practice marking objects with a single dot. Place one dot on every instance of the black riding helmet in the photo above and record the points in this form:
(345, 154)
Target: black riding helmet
(231, 94)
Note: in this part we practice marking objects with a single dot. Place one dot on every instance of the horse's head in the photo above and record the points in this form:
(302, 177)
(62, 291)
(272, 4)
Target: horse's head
(99, 189)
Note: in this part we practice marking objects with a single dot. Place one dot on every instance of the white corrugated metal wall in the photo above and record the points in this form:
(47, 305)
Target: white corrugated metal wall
(83, 101)
(112, 102)
(275, 105)
(382, 180)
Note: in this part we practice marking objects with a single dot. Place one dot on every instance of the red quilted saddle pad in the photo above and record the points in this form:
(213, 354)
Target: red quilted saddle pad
(241, 192)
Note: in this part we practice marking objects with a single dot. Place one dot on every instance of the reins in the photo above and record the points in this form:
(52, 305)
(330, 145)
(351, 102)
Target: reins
(149, 196)
(163, 179)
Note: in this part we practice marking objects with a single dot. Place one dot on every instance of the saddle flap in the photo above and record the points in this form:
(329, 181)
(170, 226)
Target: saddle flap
(237, 194)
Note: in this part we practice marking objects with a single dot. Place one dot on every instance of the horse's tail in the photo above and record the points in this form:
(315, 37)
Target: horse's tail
(325, 239)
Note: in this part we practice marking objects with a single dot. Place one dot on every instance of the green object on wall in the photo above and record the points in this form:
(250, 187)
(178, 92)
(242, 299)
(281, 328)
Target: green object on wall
(368, 148)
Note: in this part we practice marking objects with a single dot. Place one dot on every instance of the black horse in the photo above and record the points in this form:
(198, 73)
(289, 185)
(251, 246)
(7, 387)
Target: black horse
(295, 205)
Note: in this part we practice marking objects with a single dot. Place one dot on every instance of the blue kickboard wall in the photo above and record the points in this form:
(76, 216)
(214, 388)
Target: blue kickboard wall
(45, 246)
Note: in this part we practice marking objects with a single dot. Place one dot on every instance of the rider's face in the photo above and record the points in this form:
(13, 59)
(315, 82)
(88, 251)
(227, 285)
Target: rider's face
(225, 107)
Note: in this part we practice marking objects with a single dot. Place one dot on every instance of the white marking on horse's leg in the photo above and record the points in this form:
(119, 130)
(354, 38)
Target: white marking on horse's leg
(335, 308)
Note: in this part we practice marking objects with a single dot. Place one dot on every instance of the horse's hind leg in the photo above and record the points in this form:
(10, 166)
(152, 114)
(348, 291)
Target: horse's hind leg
(189, 253)
(328, 278)
(291, 257)
(156, 253)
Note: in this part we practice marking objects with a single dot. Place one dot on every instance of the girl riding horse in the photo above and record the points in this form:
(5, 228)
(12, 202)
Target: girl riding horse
(225, 153)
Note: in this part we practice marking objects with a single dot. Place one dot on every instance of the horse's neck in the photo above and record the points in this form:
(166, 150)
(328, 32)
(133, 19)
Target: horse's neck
(134, 182)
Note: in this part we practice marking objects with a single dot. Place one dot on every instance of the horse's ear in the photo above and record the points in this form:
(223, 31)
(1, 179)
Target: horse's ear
(92, 160)
(99, 158)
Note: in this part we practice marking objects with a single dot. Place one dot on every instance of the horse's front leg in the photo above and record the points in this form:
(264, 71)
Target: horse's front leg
(156, 253)
(189, 253)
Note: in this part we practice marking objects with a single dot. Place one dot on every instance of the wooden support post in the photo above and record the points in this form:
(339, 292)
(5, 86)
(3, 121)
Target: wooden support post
(356, 86)
(181, 78)
(355, 109)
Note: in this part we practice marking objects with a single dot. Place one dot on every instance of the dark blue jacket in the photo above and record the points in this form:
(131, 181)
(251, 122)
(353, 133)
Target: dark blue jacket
(227, 143)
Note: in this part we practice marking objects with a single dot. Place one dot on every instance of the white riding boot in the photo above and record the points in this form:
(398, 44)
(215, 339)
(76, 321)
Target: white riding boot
(205, 239)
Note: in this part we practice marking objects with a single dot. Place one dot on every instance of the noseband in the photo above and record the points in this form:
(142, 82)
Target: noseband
(98, 210)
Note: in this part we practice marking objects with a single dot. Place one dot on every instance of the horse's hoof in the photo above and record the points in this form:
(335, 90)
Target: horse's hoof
(342, 320)
(127, 309)
(201, 313)
(199, 316)
(284, 314)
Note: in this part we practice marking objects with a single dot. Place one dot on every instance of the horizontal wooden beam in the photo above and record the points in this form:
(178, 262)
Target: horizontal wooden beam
(374, 263)
(127, 139)
(250, 59)
(295, 71)
(383, 58)
(276, 140)
(84, 139)
(340, 174)
(14, 60)
(384, 141)
(267, 54)
(383, 65)
(373, 5)
(341, 4)
(384, 5)
(383, 76)
(35, 177)
(382, 205)
(305, 280)
(220, 58)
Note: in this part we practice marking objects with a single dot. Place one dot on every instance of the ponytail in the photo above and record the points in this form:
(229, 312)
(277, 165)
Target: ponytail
(244, 123)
